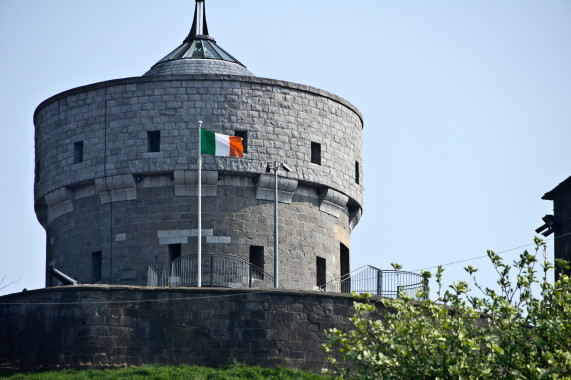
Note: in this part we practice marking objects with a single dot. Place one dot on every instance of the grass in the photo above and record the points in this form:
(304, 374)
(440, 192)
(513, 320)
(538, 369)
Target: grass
(232, 371)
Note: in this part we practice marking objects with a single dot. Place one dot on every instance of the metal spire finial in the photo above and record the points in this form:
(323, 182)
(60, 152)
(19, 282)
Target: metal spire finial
(199, 27)
(198, 44)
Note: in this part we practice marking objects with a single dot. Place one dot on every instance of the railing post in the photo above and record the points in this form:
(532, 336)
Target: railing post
(211, 271)
(379, 282)
(166, 274)
(425, 287)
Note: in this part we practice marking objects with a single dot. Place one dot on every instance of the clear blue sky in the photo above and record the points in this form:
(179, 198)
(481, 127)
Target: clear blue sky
(467, 106)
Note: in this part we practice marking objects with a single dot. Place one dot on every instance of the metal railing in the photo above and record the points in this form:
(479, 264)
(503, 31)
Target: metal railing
(217, 270)
(385, 283)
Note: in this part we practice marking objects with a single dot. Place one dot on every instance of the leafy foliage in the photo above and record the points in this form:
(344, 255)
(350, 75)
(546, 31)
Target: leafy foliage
(506, 333)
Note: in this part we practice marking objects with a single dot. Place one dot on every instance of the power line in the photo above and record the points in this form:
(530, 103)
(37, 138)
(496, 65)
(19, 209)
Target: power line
(240, 294)
(484, 256)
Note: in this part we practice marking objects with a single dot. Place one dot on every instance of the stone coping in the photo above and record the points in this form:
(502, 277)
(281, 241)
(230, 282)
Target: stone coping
(5, 299)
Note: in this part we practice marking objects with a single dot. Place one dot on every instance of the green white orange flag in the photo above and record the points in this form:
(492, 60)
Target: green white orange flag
(217, 144)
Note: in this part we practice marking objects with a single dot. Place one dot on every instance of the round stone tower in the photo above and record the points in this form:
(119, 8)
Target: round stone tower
(116, 171)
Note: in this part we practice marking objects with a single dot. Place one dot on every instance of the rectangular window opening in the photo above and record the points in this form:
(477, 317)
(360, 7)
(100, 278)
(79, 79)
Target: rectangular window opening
(257, 260)
(320, 272)
(78, 152)
(96, 266)
(345, 269)
(244, 136)
(37, 171)
(174, 251)
(315, 153)
(153, 141)
(357, 172)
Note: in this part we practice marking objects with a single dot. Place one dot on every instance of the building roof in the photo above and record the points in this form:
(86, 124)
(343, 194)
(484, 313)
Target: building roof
(199, 53)
(563, 187)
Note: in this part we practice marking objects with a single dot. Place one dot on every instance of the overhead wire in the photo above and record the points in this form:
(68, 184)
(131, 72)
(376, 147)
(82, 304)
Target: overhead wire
(110, 302)
(484, 256)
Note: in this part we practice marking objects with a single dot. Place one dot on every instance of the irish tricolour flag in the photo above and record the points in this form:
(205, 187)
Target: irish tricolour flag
(220, 145)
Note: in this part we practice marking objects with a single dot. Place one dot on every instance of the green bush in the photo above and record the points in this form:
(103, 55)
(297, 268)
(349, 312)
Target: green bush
(507, 333)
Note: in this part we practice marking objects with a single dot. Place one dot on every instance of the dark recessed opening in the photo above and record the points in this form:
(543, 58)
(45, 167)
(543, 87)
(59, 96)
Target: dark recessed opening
(153, 141)
(96, 265)
(37, 171)
(174, 251)
(357, 172)
(345, 269)
(244, 136)
(320, 269)
(315, 153)
(257, 260)
(78, 152)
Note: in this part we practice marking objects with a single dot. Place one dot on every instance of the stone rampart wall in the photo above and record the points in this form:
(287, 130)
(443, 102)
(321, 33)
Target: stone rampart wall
(86, 326)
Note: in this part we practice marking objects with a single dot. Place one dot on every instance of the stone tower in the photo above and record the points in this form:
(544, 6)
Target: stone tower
(116, 171)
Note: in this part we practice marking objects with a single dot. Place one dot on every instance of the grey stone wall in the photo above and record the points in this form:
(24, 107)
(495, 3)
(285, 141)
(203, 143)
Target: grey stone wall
(115, 325)
(121, 196)
(135, 234)
(112, 119)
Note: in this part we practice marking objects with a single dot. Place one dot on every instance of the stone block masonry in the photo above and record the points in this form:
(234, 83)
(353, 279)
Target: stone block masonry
(116, 191)
(112, 119)
(98, 326)
(140, 231)
(134, 193)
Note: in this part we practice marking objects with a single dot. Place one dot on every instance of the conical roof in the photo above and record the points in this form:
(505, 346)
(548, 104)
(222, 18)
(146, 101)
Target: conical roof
(199, 53)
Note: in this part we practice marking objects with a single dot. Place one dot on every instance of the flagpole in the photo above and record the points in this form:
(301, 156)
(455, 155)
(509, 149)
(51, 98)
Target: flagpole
(199, 277)
(276, 250)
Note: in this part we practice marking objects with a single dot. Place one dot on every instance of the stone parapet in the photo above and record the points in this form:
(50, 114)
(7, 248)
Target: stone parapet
(112, 119)
(109, 326)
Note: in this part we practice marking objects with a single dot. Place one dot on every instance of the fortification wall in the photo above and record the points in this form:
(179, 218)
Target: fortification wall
(94, 325)
(102, 187)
